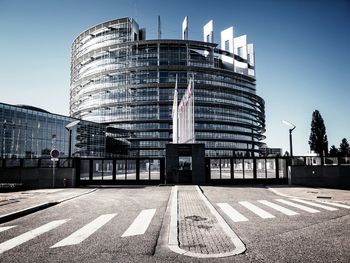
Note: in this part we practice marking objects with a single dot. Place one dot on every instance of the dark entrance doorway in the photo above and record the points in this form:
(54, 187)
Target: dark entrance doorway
(185, 164)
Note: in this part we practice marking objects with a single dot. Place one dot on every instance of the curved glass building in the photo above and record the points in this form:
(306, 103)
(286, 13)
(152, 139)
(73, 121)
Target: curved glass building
(121, 79)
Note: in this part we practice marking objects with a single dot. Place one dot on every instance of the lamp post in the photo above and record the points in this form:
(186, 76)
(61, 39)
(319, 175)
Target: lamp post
(3, 149)
(290, 135)
(69, 128)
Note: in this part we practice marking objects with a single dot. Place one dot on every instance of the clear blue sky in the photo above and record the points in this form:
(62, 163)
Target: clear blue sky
(302, 52)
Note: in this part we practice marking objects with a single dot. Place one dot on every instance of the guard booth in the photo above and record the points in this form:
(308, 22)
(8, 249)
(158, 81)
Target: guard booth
(185, 163)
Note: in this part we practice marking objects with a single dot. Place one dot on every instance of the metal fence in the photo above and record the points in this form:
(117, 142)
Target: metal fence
(120, 171)
(246, 170)
(219, 170)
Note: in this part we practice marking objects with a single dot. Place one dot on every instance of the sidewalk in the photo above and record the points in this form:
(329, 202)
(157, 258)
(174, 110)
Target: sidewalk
(310, 193)
(16, 204)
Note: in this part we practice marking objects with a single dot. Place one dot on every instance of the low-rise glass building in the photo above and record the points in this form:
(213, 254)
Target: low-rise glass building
(29, 132)
(125, 81)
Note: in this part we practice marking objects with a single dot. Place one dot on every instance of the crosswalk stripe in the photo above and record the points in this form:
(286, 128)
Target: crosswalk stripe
(7, 245)
(337, 204)
(140, 224)
(279, 208)
(4, 228)
(232, 213)
(314, 204)
(256, 210)
(302, 207)
(84, 232)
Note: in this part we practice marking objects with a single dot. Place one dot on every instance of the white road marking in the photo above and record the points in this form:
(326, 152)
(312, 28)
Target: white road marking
(84, 232)
(279, 208)
(314, 204)
(256, 210)
(30, 235)
(337, 204)
(4, 228)
(302, 207)
(232, 213)
(140, 224)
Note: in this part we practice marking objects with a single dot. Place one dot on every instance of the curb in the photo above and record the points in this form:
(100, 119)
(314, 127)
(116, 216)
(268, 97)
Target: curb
(30, 210)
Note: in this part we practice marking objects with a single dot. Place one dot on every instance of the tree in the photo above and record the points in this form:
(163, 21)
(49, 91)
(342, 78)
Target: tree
(333, 151)
(318, 138)
(344, 148)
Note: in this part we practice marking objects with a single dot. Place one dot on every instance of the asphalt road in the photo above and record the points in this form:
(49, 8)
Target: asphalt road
(305, 237)
(302, 237)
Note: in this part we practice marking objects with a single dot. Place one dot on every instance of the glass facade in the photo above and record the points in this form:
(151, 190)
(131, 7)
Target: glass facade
(28, 132)
(120, 79)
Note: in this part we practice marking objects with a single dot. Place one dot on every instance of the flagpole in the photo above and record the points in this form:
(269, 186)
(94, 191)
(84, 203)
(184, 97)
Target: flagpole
(193, 134)
(177, 117)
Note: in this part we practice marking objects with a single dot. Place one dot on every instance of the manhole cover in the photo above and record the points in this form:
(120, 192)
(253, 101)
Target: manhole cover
(195, 218)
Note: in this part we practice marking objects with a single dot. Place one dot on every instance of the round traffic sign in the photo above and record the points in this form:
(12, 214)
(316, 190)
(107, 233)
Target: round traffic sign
(55, 153)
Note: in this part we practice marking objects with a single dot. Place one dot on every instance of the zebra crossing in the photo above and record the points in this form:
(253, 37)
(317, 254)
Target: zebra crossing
(138, 227)
(257, 208)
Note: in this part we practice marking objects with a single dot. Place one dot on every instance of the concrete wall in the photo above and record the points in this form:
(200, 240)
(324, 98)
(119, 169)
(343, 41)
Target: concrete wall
(321, 176)
(34, 178)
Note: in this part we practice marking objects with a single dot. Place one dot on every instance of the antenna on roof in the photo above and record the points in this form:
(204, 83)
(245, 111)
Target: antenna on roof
(159, 30)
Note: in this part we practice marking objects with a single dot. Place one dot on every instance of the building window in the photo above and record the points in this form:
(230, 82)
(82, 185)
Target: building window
(240, 51)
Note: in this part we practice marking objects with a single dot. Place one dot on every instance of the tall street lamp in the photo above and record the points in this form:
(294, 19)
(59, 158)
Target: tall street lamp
(69, 127)
(290, 135)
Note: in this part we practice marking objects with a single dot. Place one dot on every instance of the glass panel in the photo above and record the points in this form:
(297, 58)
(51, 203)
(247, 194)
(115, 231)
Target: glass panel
(185, 163)
(131, 173)
(107, 169)
(298, 161)
(144, 169)
(271, 168)
(344, 160)
(282, 165)
(248, 169)
(120, 166)
(66, 162)
(155, 170)
(225, 169)
(44, 163)
(84, 169)
(313, 160)
(30, 162)
(97, 170)
(238, 168)
(214, 169)
(260, 168)
(330, 160)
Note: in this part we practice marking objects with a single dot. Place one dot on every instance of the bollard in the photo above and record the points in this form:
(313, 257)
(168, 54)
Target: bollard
(65, 182)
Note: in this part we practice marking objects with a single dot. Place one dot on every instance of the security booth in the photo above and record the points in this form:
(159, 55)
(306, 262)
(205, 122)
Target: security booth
(185, 163)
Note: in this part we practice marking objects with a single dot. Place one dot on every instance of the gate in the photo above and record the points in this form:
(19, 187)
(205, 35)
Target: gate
(121, 171)
(230, 170)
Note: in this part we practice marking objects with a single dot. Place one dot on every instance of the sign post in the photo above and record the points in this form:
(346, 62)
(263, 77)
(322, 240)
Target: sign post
(54, 158)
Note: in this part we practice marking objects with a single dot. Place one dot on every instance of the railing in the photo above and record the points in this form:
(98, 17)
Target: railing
(120, 171)
(239, 169)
